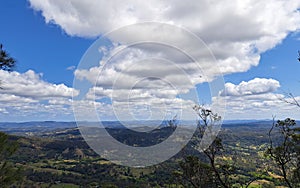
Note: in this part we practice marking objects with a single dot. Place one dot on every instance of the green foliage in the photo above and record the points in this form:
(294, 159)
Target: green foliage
(6, 62)
(195, 173)
(8, 172)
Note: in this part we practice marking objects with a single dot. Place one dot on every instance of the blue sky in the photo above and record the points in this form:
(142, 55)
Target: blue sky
(279, 63)
(44, 48)
(48, 39)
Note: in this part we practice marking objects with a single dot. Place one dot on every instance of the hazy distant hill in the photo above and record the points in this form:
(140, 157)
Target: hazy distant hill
(36, 128)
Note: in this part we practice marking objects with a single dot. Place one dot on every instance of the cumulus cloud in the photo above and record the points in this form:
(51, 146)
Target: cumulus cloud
(15, 99)
(30, 84)
(261, 106)
(256, 99)
(27, 95)
(236, 31)
(252, 87)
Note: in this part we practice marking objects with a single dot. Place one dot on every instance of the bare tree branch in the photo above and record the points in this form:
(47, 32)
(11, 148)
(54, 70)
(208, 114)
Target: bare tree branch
(292, 101)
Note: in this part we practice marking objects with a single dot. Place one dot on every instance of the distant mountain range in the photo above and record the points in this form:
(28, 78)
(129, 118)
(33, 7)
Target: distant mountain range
(46, 126)
(111, 124)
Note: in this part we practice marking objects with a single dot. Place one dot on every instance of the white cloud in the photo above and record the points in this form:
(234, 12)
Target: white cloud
(256, 99)
(27, 95)
(71, 68)
(15, 99)
(236, 31)
(252, 87)
(30, 84)
(273, 67)
(262, 106)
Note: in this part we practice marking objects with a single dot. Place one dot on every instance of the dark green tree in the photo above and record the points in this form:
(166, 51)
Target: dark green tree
(6, 62)
(9, 174)
(195, 173)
